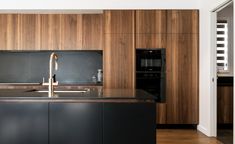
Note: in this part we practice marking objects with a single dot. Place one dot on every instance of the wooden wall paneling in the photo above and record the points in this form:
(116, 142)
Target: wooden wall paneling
(29, 25)
(151, 21)
(119, 21)
(119, 61)
(50, 32)
(3, 31)
(183, 21)
(9, 32)
(161, 113)
(69, 32)
(13, 33)
(150, 41)
(92, 31)
(182, 104)
(225, 104)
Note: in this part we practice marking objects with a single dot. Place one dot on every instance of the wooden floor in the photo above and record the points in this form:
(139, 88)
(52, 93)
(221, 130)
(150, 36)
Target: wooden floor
(169, 136)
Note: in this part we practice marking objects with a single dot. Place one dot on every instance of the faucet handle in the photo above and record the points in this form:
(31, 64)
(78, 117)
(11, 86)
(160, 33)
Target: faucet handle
(55, 83)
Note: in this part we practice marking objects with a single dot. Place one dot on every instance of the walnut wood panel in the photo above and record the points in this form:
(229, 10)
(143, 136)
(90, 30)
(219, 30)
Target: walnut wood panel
(119, 61)
(3, 31)
(50, 32)
(151, 21)
(92, 32)
(150, 41)
(182, 101)
(9, 32)
(70, 33)
(225, 104)
(161, 113)
(119, 21)
(182, 21)
(29, 28)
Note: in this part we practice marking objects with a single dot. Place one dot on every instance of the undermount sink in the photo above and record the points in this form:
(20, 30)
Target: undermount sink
(63, 91)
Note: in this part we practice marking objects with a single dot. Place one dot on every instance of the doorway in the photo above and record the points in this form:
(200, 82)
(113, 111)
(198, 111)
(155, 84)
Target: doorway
(224, 71)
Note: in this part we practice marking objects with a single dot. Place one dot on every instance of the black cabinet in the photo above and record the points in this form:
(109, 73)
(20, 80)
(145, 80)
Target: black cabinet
(23, 123)
(75, 123)
(129, 123)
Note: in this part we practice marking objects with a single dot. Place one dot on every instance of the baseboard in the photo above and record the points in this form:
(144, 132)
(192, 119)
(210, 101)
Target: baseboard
(176, 126)
(202, 129)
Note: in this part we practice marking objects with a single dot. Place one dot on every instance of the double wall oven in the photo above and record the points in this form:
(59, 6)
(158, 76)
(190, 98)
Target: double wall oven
(151, 72)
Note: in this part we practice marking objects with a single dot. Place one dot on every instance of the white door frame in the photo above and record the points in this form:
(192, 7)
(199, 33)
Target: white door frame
(213, 115)
(213, 98)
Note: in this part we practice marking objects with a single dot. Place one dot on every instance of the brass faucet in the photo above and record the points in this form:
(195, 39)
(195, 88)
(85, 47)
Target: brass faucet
(51, 83)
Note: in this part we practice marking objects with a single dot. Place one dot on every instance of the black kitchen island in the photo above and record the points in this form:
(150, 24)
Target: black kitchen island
(109, 116)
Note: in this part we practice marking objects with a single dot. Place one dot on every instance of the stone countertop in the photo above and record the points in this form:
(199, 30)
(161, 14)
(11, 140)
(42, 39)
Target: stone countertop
(92, 95)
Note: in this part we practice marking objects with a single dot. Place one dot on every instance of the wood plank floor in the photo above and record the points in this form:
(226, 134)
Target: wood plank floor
(185, 136)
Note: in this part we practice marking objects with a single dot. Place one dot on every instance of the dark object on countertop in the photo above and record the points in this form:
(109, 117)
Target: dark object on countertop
(54, 78)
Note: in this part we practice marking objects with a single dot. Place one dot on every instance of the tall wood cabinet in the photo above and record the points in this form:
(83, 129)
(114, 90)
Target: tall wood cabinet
(182, 99)
(119, 49)
(183, 42)
(177, 31)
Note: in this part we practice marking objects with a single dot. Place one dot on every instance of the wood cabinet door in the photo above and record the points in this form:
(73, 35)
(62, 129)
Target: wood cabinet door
(9, 32)
(182, 100)
(225, 104)
(29, 31)
(150, 21)
(50, 32)
(161, 113)
(119, 61)
(70, 34)
(92, 32)
(183, 21)
(150, 41)
(119, 21)
(150, 29)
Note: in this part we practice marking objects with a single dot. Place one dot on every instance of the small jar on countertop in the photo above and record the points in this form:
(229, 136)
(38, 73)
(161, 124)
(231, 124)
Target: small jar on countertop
(99, 75)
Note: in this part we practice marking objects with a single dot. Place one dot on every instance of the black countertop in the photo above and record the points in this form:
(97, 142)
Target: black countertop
(92, 95)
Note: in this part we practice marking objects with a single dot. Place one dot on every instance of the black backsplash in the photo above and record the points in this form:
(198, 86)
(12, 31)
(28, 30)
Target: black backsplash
(31, 67)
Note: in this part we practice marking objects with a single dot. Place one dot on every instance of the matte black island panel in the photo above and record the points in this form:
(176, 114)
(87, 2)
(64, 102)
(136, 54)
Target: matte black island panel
(23, 123)
(75, 123)
(129, 123)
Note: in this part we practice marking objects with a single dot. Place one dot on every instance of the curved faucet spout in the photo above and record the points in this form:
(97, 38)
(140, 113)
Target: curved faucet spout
(53, 58)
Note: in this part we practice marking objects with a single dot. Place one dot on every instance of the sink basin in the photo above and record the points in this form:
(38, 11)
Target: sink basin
(63, 91)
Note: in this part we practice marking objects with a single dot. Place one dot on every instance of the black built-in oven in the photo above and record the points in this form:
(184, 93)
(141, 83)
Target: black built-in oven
(151, 72)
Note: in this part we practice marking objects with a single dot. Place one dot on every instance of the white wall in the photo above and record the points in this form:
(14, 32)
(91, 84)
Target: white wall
(98, 4)
(205, 61)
